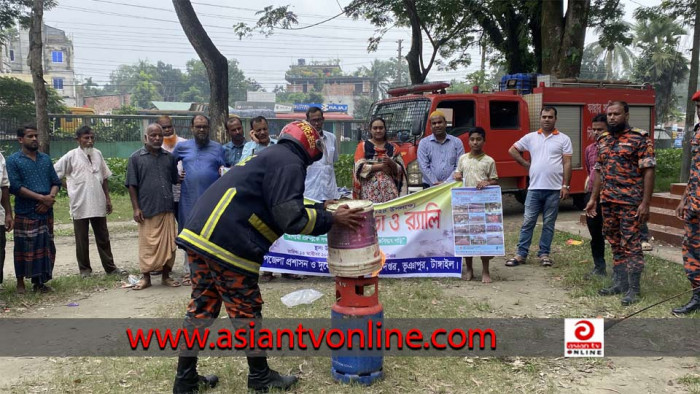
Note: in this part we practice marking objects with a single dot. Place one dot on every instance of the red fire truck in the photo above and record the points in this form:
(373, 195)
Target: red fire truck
(507, 116)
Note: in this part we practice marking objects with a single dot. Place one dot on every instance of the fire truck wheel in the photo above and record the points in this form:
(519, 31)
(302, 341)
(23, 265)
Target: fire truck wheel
(520, 196)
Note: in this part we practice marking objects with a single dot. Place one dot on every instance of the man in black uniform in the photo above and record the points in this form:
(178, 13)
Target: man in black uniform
(233, 225)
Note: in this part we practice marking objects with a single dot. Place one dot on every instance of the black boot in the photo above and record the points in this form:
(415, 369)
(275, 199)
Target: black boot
(620, 282)
(692, 305)
(261, 378)
(634, 290)
(187, 380)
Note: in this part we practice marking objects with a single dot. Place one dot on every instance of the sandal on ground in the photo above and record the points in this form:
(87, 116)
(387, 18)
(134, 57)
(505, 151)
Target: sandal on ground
(43, 289)
(186, 281)
(546, 261)
(142, 284)
(647, 247)
(170, 282)
(514, 262)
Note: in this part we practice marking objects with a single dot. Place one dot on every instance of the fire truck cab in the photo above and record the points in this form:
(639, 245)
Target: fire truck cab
(507, 116)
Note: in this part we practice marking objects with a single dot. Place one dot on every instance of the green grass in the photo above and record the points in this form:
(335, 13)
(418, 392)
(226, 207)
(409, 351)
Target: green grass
(64, 287)
(661, 279)
(691, 382)
(121, 210)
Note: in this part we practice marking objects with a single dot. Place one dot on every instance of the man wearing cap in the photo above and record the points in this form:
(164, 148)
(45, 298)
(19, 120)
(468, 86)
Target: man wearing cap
(260, 198)
(439, 153)
(624, 184)
(689, 212)
(550, 172)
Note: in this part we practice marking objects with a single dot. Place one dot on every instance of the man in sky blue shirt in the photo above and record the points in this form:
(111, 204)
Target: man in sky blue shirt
(260, 133)
(233, 150)
(439, 153)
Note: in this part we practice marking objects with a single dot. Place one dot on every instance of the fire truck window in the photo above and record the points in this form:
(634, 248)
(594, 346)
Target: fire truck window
(504, 115)
(460, 116)
(402, 115)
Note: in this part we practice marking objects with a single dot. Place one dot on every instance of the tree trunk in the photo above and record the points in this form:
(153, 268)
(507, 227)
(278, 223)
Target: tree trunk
(214, 62)
(37, 70)
(692, 87)
(413, 56)
(552, 31)
(571, 48)
(563, 37)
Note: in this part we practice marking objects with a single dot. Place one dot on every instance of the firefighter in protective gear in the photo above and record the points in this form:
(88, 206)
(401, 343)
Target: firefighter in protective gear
(625, 183)
(232, 227)
(689, 212)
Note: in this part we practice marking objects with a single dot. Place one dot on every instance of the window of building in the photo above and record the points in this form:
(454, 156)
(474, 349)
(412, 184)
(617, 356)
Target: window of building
(58, 83)
(12, 55)
(358, 88)
(57, 56)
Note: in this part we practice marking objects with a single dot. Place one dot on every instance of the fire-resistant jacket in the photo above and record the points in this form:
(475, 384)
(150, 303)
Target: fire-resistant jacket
(261, 198)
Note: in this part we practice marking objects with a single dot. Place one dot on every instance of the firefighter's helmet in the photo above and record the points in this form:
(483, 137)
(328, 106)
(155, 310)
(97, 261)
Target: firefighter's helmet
(305, 136)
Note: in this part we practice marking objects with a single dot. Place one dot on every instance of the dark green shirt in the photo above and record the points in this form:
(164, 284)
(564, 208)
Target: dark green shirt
(153, 177)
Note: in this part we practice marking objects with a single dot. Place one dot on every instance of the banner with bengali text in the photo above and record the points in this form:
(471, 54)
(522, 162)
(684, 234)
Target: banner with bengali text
(415, 233)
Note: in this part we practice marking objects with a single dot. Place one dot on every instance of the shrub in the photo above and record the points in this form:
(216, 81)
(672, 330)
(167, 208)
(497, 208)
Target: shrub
(116, 182)
(343, 170)
(668, 168)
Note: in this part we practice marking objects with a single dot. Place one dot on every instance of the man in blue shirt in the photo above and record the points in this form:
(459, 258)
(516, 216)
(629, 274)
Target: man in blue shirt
(234, 149)
(35, 184)
(438, 153)
(201, 160)
(260, 134)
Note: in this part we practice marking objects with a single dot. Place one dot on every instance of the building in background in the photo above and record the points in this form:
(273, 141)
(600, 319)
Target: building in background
(107, 104)
(58, 61)
(327, 79)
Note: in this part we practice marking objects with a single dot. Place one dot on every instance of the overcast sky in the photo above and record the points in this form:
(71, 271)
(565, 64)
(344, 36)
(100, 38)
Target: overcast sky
(108, 33)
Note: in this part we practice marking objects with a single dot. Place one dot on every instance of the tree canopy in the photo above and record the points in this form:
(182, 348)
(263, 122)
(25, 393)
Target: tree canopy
(17, 100)
(147, 82)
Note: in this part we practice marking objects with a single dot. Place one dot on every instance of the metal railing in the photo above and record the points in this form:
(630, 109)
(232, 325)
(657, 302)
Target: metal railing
(120, 135)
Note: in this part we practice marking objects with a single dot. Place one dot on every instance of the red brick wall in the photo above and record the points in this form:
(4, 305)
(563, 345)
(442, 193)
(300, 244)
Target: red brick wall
(105, 104)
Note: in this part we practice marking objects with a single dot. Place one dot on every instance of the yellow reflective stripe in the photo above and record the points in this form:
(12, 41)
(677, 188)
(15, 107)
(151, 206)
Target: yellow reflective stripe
(219, 252)
(311, 213)
(262, 228)
(216, 214)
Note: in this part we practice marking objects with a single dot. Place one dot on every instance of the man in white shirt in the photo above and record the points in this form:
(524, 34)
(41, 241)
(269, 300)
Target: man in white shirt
(550, 173)
(86, 176)
(320, 176)
(6, 220)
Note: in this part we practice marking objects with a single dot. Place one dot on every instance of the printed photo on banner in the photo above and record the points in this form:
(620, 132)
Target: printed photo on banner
(478, 221)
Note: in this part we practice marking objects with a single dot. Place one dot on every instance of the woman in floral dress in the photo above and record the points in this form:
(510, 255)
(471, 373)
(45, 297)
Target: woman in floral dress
(379, 173)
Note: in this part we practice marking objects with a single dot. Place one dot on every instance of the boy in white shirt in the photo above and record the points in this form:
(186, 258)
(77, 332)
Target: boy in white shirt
(478, 170)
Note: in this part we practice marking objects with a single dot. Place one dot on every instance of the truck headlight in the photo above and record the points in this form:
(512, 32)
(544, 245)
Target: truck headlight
(415, 177)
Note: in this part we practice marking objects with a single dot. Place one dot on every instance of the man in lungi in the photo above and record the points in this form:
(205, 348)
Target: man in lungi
(233, 225)
(35, 184)
(150, 174)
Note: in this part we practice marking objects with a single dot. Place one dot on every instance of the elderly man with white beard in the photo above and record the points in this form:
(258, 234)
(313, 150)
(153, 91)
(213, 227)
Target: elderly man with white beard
(86, 176)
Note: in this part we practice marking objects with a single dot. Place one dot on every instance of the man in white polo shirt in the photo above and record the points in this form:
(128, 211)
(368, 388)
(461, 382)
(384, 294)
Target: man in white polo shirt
(550, 173)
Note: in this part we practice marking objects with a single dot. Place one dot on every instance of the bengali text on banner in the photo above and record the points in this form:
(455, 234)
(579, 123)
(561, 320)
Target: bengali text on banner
(415, 233)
